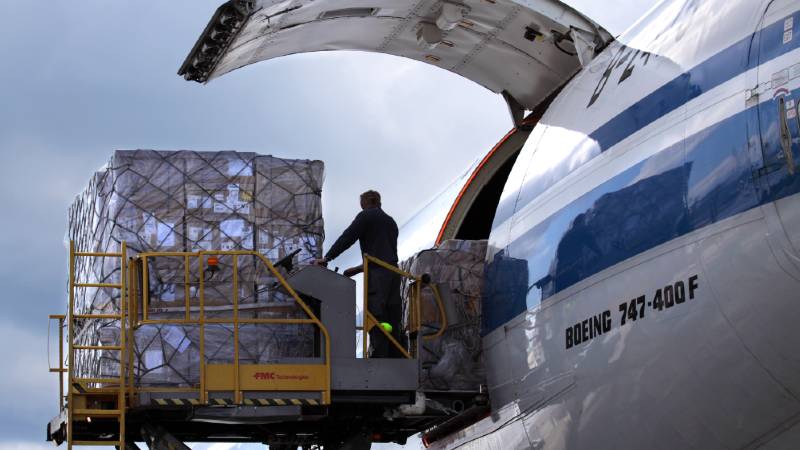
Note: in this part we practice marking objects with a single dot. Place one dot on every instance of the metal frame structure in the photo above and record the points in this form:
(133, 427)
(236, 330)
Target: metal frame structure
(231, 377)
(415, 321)
(370, 321)
(95, 408)
(60, 370)
(214, 377)
(82, 391)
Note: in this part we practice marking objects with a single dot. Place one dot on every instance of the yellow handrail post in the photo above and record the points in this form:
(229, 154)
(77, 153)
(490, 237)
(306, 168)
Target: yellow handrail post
(186, 286)
(70, 335)
(369, 320)
(61, 363)
(123, 311)
(236, 388)
(132, 318)
(418, 309)
(145, 289)
(202, 318)
(413, 316)
(365, 327)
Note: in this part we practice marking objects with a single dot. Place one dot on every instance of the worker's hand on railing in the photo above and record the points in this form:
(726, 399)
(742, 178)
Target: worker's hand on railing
(352, 271)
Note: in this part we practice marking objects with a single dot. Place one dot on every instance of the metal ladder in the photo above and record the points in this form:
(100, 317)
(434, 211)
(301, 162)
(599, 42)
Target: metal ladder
(86, 402)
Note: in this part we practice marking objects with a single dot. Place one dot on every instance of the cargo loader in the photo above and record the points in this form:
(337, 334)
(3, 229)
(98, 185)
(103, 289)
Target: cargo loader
(332, 397)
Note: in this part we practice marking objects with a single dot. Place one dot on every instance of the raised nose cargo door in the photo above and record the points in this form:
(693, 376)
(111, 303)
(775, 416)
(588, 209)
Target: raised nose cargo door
(523, 49)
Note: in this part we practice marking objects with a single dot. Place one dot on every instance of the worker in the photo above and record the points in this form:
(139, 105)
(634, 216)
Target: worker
(376, 233)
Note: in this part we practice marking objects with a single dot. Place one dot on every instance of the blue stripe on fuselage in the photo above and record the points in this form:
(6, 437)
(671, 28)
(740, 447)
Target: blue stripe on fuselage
(723, 66)
(630, 213)
(706, 178)
(719, 68)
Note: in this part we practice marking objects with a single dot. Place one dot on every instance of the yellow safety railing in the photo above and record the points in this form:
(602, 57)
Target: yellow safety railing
(414, 310)
(221, 375)
(370, 321)
(60, 370)
(133, 285)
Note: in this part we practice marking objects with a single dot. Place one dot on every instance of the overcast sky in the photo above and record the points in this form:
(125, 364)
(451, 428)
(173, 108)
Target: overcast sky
(82, 78)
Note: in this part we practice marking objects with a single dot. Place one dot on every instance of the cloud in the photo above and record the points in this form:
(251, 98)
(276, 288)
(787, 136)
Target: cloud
(93, 76)
(28, 389)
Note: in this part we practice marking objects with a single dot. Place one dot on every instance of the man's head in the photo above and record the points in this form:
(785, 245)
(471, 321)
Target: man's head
(370, 199)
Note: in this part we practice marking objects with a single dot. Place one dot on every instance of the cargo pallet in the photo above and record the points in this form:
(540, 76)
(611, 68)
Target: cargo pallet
(334, 400)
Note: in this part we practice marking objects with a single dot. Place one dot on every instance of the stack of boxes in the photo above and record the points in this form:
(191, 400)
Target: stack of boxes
(188, 201)
(453, 360)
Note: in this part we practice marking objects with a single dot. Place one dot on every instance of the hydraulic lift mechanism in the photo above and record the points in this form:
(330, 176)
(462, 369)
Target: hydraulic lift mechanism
(334, 399)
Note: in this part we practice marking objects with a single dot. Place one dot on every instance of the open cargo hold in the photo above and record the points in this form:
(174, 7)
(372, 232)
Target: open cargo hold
(186, 201)
(451, 359)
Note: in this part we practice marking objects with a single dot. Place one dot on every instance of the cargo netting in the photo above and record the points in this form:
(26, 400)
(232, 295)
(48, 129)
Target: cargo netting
(454, 359)
(187, 201)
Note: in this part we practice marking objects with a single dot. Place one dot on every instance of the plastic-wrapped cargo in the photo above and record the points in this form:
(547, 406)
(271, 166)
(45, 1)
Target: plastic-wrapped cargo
(187, 201)
(453, 360)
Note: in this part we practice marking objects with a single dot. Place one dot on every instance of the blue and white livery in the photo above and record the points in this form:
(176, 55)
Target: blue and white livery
(643, 281)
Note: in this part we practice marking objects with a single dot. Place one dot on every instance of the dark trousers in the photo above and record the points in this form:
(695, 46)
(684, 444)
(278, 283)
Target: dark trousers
(386, 305)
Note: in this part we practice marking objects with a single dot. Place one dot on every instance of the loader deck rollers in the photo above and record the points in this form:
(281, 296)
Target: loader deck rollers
(333, 400)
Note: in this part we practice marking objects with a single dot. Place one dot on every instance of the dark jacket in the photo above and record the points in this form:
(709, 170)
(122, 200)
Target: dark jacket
(375, 230)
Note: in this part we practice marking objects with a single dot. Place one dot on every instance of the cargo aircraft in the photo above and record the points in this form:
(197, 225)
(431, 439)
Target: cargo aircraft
(642, 288)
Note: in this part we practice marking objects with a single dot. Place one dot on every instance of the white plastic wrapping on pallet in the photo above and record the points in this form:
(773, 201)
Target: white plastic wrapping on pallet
(454, 360)
(187, 201)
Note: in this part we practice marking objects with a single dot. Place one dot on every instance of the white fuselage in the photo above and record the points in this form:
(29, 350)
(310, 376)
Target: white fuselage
(642, 288)
(643, 282)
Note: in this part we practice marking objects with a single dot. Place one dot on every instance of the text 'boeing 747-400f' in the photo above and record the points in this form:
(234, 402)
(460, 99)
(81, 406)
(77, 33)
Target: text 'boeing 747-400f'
(642, 288)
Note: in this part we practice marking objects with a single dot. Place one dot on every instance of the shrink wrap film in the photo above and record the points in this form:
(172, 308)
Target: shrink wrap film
(453, 360)
(187, 201)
